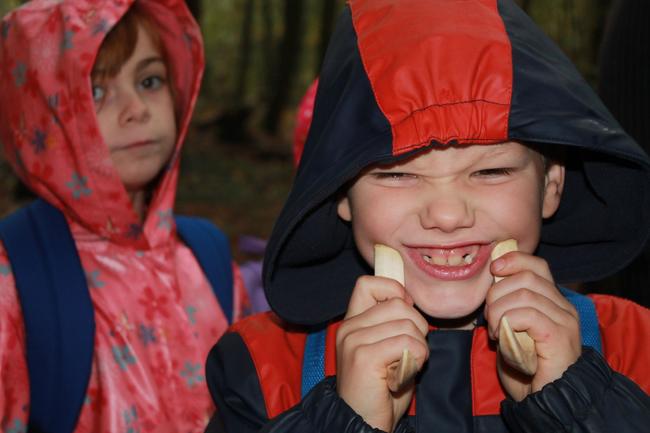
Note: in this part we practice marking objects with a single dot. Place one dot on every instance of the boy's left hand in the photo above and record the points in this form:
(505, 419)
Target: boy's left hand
(529, 298)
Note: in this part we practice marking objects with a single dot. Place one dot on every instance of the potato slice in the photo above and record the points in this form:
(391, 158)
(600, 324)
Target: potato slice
(517, 348)
(389, 264)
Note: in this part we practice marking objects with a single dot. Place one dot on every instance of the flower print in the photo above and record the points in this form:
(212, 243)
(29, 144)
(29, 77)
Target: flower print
(39, 141)
(147, 335)
(123, 356)
(192, 374)
(102, 27)
(93, 281)
(95, 399)
(19, 72)
(66, 41)
(165, 218)
(17, 426)
(134, 231)
(131, 420)
(5, 269)
(191, 311)
(123, 326)
(78, 185)
(153, 305)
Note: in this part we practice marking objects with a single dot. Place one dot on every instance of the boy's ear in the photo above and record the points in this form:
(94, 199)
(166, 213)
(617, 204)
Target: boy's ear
(343, 208)
(553, 187)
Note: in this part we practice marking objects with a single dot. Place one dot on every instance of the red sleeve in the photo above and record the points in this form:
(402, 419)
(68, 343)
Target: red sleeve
(625, 332)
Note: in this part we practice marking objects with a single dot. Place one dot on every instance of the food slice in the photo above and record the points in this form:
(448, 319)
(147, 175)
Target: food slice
(389, 264)
(517, 348)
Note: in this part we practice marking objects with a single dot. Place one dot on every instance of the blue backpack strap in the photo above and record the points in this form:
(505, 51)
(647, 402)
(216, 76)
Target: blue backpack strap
(313, 363)
(57, 312)
(211, 249)
(588, 318)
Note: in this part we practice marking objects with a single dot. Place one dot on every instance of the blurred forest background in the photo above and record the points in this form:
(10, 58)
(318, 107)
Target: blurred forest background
(261, 57)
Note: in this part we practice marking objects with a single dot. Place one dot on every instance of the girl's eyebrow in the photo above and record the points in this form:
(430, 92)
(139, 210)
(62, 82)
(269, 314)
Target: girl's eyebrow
(147, 61)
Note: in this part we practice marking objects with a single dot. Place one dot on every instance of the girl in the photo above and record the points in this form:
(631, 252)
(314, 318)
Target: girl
(96, 98)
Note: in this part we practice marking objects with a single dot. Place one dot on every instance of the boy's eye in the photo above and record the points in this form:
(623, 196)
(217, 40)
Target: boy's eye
(493, 172)
(395, 176)
(98, 93)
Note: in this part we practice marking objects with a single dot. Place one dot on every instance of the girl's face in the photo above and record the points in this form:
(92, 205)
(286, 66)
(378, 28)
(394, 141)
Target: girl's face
(135, 112)
(444, 210)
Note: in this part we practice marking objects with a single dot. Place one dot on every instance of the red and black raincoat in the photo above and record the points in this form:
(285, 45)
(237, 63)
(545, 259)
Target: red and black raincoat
(401, 77)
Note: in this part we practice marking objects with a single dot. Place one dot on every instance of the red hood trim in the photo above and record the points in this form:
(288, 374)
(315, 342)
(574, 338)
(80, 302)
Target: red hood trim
(428, 94)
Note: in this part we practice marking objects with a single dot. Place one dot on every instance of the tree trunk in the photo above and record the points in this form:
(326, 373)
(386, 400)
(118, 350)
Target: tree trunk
(288, 61)
(244, 51)
(269, 48)
(196, 8)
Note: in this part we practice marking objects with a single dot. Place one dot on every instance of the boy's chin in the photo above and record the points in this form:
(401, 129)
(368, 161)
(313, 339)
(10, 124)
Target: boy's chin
(451, 313)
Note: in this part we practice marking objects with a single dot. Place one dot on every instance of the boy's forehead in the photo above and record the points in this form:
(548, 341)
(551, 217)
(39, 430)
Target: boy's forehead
(462, 152)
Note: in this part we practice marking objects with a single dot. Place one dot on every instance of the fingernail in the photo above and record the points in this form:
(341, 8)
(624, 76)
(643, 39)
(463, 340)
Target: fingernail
(498, 264)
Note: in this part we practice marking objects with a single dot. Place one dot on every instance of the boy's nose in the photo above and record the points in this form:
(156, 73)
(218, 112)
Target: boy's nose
(446, 212)
(134, 109)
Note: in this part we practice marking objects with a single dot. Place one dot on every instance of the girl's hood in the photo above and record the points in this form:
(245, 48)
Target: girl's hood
(402, 76)
(48, 126)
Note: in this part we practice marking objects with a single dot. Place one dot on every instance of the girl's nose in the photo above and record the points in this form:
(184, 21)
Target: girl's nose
(446, 211)
(134, 109)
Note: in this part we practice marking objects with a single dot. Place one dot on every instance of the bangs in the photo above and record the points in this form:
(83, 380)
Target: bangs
(120, 42)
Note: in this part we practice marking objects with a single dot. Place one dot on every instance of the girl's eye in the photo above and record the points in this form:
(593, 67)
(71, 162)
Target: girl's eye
(152, 82)
(493, 172)
(98, 93)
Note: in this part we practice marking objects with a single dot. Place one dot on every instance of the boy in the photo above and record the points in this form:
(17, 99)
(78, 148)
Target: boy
(441, 128)
(96, 99)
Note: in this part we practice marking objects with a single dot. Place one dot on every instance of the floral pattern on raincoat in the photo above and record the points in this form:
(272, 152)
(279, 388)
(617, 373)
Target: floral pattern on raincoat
(156, 315)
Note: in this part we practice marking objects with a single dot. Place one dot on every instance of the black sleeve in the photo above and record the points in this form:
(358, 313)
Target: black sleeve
(589, 397)
(235, 388)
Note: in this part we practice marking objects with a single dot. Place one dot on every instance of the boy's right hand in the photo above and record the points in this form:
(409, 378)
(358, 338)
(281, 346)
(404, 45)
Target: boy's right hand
(380, 323)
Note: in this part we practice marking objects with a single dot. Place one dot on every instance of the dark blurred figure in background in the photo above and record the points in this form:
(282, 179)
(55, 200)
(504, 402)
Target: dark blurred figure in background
(625, 89)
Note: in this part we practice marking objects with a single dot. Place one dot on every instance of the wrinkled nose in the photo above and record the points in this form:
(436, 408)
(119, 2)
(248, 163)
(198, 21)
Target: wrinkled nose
(446, 211)
(133, 109)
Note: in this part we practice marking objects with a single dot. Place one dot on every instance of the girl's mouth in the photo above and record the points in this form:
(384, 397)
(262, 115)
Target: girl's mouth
(451, 263)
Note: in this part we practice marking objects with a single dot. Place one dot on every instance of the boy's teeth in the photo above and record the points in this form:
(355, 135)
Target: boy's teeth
(439, 260)
(450, 259)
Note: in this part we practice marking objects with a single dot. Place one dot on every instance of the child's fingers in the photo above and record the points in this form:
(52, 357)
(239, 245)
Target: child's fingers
(523, 299)
(517, 261)
(525, 283)
(376, 356)
(558, 345)
(370, 290)
(392, 310)
(372, 334)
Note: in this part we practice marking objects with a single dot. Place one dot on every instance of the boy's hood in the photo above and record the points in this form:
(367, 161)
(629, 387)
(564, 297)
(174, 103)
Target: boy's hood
(402, 76)
(48, 125)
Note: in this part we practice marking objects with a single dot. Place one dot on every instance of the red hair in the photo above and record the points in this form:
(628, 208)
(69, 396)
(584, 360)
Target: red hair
(120, 42)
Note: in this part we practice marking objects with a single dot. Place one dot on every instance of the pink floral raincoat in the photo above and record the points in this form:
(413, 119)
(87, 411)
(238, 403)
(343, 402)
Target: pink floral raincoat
(156, 315)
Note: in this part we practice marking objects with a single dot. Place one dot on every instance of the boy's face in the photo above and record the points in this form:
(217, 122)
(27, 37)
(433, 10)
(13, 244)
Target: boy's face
(445, 209)
(135, 111)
